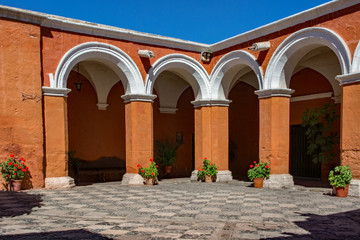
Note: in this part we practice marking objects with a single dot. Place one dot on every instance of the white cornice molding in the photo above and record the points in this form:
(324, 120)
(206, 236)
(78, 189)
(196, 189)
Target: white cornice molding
(55, 92)
(73, 25)
(211, 102)
(279, 92)
(348, 78)
(284, 23)
(138, 98)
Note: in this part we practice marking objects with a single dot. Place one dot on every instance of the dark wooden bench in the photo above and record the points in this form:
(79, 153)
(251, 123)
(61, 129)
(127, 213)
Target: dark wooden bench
(101, 170)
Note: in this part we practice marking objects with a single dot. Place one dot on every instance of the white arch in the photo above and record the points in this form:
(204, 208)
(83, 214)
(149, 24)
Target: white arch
(294, 47)
(189, 69)
(355, 67)
(105, 53)
(228, 61)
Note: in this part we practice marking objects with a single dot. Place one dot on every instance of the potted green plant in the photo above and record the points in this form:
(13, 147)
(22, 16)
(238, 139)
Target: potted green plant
(166, 153)
(320, 135)
(13, 171)
(258, 172)
(340, 179)
(208, 171)
(150, 173)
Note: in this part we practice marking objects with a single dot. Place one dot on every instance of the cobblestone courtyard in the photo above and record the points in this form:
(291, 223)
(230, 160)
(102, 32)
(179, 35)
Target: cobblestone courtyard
(178, 210)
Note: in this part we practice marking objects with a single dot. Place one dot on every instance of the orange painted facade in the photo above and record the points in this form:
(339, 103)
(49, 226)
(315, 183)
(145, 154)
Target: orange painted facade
(41, 120)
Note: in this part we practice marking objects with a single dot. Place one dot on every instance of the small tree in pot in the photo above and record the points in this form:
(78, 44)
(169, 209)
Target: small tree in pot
(166, 153)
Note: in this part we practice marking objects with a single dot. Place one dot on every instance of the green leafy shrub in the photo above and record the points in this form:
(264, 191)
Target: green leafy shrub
(320, 136)
(149, 172)
(340, 176)
(258, 170)
(208, 168)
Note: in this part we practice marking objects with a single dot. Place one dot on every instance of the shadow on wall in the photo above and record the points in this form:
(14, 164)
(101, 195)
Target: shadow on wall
(71, 234)
(18, 203)
(345, 225)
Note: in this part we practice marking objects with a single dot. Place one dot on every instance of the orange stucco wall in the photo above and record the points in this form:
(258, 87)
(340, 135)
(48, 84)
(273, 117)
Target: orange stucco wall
(166, 126)
(243, 129)
(212, 136)
(95, 133)
(300, 82)
(350, 138)
(138, 135)
(21, 122)
(274, 133)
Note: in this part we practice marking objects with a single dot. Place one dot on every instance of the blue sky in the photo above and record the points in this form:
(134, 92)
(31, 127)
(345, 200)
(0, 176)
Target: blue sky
(205, 21)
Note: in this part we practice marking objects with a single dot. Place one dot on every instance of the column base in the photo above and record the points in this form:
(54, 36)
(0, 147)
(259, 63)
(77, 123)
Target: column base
(59, 182)
(354, 188)
(279, 181)
(132, 179)
(222, 176)
(193, 177)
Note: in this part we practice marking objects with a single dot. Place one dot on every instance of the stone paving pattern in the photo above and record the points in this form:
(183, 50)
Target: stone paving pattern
(178, 210)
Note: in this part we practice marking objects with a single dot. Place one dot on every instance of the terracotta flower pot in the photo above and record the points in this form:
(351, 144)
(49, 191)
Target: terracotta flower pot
(258, 182)
(168, 169)
(342, 192)
(149, 181)
(208, 179)
(15, 185)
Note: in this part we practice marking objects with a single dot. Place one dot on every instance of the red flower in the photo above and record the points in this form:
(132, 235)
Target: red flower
(152, 173)
(26, 168)
(211, 164)
(205, 158)
(11, 155)
(142, 171)
(151, 160)
(157, 165)
(254, 161)
(199, 170)
(15, 165)
(23, 160)
(256, 165)
(267, 166)
(10, 163)
(19, 167)
(15, 174)
(23, 170)
(251, 166)
(202, 169)
(8, 176)
(138, 165)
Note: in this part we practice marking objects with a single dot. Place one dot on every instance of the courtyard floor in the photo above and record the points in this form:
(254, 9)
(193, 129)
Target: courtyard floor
(178, 209)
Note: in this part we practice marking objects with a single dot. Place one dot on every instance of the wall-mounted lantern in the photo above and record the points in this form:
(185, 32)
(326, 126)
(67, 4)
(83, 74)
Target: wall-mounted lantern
(78, 84)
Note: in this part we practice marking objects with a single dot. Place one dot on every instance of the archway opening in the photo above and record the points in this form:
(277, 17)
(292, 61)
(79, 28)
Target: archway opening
(243, 123)
(96, 124)
(313, 80)
(174, 121)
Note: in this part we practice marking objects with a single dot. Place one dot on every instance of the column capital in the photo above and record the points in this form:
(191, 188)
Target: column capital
(348, 78)
(211, 102)
(277, 92)
(138, 97)
(55, 92)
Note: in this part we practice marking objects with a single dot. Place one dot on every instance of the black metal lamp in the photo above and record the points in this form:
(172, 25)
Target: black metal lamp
(78, 84)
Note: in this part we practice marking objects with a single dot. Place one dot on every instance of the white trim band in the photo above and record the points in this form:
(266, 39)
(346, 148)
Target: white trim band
(348, 78)
(55, 92)
(138, 98)
(280, 92)
(311, 97)
(210, 103)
